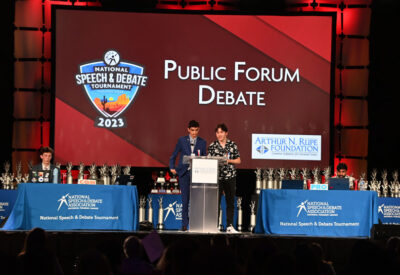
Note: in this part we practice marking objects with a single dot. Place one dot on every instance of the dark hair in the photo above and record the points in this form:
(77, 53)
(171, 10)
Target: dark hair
(45, 150)
(341, 166)
(221, 126)
(193, 123)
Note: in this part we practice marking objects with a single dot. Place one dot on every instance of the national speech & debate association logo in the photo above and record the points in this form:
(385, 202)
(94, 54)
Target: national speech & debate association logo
(111, 86)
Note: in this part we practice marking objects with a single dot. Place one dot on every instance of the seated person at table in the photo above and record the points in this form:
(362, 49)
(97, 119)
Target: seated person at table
(341, 172)
(45, 172)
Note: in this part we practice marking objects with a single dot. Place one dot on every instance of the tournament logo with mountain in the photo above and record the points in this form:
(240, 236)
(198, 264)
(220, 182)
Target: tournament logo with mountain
(111, 86)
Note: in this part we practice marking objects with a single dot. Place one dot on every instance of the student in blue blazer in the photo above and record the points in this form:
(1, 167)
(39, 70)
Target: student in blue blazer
(186, 146)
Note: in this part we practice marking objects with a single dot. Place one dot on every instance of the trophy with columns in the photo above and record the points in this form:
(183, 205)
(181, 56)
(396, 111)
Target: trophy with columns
(150, 210)
(69, 173)
(395, 185)
(304, 174)
(252, 216)
(81, 174)
(258, 180)
(240, 214)
(142, 208)
(160, 224)
(327, 174)
(315, 173)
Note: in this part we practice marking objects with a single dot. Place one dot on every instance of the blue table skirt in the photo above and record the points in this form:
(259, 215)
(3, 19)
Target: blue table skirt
(389, 210)
(317, 213)
(7, 200)
(73, 206)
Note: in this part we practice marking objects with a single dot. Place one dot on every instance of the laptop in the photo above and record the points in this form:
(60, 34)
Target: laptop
(339, 184)
(292, 184)
(41, 176)
(125, 180)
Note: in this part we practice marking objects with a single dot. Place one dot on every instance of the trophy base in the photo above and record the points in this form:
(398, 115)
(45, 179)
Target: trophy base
(160, 226)
(154, 191)
(169, 191)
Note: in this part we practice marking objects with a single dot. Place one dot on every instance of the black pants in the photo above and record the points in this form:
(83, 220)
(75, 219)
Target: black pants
(229, 188)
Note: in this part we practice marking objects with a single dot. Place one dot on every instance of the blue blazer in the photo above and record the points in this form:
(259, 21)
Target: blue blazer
(183, 147)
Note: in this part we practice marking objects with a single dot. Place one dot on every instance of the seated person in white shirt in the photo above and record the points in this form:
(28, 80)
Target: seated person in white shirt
(45, 172)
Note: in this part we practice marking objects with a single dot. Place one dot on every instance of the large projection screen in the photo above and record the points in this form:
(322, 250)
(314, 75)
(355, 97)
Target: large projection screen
(126, 84)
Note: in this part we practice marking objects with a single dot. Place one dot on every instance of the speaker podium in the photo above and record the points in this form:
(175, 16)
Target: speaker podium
(203, 209)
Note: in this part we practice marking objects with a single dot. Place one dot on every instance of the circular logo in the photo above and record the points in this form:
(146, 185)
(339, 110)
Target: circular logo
(111, 58)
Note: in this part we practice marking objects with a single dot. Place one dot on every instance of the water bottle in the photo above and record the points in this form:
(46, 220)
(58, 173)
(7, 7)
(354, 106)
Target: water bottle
(55, 175)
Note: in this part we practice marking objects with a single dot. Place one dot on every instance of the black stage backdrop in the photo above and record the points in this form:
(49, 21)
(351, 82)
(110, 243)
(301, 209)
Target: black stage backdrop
(7, 79)
(384, 95)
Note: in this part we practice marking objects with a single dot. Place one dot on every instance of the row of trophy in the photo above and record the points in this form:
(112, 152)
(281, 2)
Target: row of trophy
(271, 178)
(383, 187)
(162, 186)
(107, 174)
(9, 180)
(160, 217)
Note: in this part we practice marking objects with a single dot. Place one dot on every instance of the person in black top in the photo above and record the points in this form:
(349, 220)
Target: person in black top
(227, 173)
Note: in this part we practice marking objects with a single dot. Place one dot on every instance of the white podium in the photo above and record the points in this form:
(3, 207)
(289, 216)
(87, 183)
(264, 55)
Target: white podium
(203, 209)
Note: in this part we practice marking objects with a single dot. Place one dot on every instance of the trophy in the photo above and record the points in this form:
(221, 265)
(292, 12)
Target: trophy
(315, 173)
(69, 175)
(281, 175)
(150, 211)
(270, 181)
(30, 165)
(293, 173)
(327, 174)
(385, 183)
(304, 174)
(240, 214)
(161, 181)
(395, 185)
(174, 184)
(264, 179)
(252, 216)
(114, 173)
(105, 178)
(93, 172)
(25, 178)
(160, 224)
(220, 225)
(81, 174)
(363, 185)
(18, 177)
(127, 170)
(374, 184)
(258, 180)
(142, 208)
(6, 177)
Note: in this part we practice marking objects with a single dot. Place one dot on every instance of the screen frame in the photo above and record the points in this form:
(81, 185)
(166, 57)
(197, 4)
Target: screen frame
(333, 15)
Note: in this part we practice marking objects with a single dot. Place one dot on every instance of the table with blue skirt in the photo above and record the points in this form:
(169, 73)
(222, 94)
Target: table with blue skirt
(331, 213)
(7, 200)
(172, 204)
(74, 206)
(389, 210)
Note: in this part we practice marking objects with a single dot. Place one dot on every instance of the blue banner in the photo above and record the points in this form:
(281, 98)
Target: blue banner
(172, 205)
(389, 210)
(7, 200)
(73, 206)
(317, 213)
